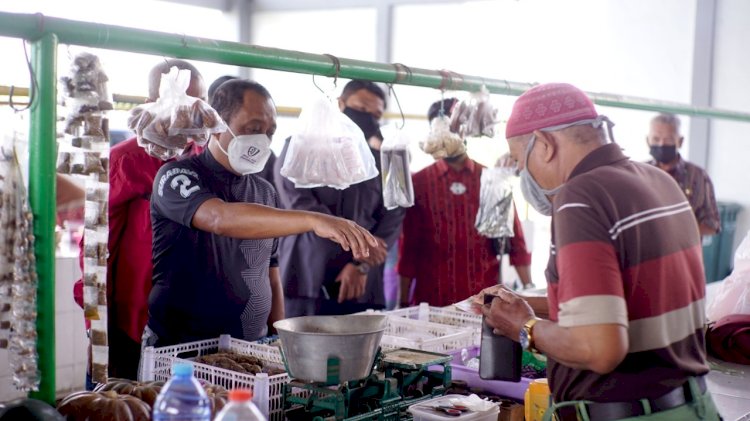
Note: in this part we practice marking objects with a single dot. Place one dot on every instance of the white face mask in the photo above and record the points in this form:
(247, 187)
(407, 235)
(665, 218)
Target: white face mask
(538, 197)
(248, 154)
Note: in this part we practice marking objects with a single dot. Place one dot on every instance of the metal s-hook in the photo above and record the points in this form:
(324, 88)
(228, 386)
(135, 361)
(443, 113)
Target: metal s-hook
(336, 68)
(336, 71)
(400, 110)
(32, 86)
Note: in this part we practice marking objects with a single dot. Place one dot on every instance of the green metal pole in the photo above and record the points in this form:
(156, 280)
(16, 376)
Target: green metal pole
(42, 157)
(233, 53)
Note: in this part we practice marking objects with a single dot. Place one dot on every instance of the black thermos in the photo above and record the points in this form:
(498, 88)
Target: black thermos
(500, 357)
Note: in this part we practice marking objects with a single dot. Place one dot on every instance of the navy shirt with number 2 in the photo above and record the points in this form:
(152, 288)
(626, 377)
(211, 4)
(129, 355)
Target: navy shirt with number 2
(204, 284)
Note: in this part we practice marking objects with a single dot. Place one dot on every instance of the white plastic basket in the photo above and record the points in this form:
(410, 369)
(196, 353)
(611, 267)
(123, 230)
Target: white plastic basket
(268, 391)
(443, 316)
(401, 332)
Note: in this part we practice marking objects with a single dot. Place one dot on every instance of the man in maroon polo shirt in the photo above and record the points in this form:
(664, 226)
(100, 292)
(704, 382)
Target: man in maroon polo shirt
(626, 285)
(664, 141)
(440, 249)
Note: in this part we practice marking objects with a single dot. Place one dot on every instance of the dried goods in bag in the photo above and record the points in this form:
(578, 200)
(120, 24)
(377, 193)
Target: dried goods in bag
(327, 149)
(394, 159)
(476, 116)
(164, 128)
(442, 142)
(495, 215)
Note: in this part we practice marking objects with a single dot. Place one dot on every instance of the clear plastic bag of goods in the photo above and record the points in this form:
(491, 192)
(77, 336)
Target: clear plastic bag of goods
(495, 215)
(476, 116)
(442, 142)
(327, 149)
(240, 408)
(734, 295)
(398, 190)
(174, 119)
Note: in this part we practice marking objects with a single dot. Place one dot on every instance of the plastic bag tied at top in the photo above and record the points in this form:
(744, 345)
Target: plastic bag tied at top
(327, 149)
(398, 190)
(495, 215)
(165, 127)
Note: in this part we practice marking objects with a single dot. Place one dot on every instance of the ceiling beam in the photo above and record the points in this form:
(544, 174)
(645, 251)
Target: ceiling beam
(281, 5)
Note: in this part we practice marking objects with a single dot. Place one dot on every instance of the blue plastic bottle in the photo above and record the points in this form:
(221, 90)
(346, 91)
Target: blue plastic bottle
(182, 398)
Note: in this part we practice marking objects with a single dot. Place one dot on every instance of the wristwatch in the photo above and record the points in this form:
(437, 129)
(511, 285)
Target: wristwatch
(362, 267)
(526, 337)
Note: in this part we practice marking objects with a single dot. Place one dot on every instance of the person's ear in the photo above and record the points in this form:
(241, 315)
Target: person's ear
(548, 145)
(342, 105)
(647, 142)
(679, 142)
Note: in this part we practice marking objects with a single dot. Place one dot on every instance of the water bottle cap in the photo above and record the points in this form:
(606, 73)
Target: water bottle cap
(182, 369)
(240, 395)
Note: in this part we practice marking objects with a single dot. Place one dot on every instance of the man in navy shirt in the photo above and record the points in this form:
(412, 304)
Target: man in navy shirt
(216, 225)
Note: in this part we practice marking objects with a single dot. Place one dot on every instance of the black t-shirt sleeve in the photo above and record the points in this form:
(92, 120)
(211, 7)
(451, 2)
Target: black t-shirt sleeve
(275, 250)
(178, 192)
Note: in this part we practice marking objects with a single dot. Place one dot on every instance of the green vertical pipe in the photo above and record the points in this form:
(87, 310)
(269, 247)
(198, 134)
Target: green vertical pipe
(42, 151)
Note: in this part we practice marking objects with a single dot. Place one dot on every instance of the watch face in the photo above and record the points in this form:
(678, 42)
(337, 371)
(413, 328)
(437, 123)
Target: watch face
(524, 339)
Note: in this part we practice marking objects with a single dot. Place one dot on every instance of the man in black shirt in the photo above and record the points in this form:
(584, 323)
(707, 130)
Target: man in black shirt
(215, 226)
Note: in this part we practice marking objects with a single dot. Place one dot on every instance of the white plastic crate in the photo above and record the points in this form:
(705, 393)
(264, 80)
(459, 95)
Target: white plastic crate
(401, 332)
(268, 391)
(443, 316)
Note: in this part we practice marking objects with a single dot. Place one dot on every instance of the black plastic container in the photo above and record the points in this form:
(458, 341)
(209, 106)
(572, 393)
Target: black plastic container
(499, 356)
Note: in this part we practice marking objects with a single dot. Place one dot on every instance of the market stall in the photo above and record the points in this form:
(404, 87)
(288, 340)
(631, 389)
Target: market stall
(46, 33)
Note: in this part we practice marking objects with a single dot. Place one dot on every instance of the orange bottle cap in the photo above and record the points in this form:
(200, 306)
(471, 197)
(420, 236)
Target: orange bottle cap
(240, 395)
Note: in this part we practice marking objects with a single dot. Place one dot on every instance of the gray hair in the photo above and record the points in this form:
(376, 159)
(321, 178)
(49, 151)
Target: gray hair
(668, 118)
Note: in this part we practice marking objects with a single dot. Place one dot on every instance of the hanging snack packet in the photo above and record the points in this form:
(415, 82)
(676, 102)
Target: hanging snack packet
(328, 149)
(475, 117)
(164, 127)
(495, 214)
(394, 158)
(442, 142)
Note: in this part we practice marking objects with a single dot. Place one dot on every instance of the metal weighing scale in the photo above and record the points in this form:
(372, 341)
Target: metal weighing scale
(398, 379)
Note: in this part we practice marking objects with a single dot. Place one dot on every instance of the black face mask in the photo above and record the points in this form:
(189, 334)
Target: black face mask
(664, 154)
(365, 121)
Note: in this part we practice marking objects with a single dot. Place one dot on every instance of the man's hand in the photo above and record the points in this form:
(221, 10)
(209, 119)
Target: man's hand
(377, 254)
(352, 283)
(346, 233)
(507, 313)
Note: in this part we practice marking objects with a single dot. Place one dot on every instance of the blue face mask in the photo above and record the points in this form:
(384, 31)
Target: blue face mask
(538, 197)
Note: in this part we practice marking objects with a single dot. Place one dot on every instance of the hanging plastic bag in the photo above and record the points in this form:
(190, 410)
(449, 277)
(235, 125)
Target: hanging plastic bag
(394, 162)
(495, 215)
(164, 127)
(328, 149)
(442, 142)
(475, 117)
(734, 295)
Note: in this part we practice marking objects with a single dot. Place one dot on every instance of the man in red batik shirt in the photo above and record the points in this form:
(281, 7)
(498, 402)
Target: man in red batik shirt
(129, 266)
(440, 249)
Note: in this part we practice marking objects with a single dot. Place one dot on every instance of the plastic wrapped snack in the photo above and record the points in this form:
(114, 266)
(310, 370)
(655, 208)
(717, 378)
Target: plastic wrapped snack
(87, 82)
(394, 158)
(475, 117)
(495, 214)
(328, 149)
(442, 142)
(175, 117)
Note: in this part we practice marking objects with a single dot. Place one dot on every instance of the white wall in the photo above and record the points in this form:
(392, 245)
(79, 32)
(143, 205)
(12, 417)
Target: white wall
(729, 145)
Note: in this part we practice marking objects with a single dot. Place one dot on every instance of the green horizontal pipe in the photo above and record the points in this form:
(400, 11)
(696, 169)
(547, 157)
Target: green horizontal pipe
(42, 158)
(33, 26)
